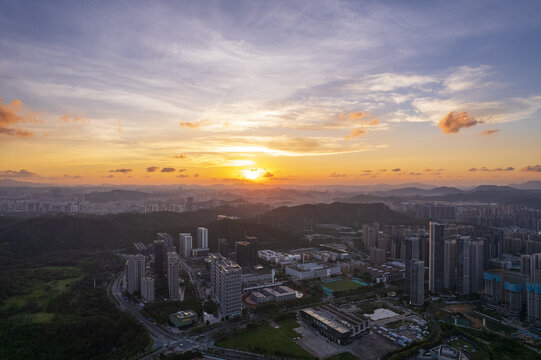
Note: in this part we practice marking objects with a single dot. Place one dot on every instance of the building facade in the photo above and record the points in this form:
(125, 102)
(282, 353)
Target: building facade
(135, 271)
(172, 275)
(226, 285)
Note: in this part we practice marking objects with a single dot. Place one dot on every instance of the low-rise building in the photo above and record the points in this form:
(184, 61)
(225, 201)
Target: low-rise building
(183, 319)
(335, 324)
(311, 271)
(275, 293)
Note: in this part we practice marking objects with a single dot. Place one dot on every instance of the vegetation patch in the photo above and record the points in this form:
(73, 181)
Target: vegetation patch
(266, 340)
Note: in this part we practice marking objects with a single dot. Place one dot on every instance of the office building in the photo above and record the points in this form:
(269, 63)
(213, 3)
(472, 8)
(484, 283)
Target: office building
(246, 254)
(172, 275)
(436, 258)
(226, 285)
(135, 271)
(202, 238)
(469, 272)
(417, 283)
(147, 289)
(185, 244)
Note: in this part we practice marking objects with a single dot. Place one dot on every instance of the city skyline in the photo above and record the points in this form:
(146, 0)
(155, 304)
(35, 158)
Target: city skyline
(270, 93)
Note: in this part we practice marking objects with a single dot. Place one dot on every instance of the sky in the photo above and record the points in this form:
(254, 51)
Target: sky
(272, 92)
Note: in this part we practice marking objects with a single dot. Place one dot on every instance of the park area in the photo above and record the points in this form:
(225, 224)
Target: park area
(267, 339)
(331, 286)
(47, 282)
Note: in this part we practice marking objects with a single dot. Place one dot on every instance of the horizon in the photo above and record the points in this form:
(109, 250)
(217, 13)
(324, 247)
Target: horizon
(278, 94)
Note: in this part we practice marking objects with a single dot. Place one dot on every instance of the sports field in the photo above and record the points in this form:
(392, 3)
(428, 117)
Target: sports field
(338, 285)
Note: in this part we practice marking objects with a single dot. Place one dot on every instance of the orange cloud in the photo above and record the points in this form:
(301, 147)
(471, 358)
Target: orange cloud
(75, 118)
(454, 121)
(355, 133)
(11, 115)
(337, 175)
(268, 175)
(167, 169)
(180, 156)
(190, 125)
(535, 168)
(152, 168)
(123, 171)
(489, 131)
(17, 174)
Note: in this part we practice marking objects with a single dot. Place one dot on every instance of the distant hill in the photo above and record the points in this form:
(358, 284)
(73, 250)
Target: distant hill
(300, 217)
(116, 195)
(528, 185)
(36, 236)
(417, 192)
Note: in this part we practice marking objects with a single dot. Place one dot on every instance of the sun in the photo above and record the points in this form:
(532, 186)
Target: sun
(252, 174)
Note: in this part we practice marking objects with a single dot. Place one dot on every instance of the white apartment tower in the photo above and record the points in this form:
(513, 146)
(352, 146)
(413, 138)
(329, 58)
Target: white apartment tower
(135, 271)
(185, 245)
(202, 238)
(147, 289)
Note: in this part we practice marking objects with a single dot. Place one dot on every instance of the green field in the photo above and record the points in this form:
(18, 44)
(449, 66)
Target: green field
(341, 285)
(264, 339)
(287, 325)
(343, 356)
(48, 282)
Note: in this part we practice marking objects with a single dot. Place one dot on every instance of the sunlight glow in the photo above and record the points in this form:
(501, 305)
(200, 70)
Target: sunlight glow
(252, 174)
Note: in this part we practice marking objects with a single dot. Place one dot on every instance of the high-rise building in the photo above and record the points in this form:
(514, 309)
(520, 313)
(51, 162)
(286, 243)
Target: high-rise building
(147, 289)
(135, 271)
(463, 265)
(436, 258)
(526, 264)
(417, 282)
(159, 257)
(222, 247)
(476, 265)
(370, 236)
(172, 275)
(185, 244)
(469, 270)
(449, 266)
(246, 254)
(167, 241)
(202, 238)
(377, 256)
(411, 254)
(226, 284)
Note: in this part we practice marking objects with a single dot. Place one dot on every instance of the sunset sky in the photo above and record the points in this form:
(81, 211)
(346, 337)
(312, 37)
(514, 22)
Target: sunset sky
(278, 92)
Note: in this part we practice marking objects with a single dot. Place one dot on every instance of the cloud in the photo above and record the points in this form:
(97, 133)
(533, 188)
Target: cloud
(72, 176)
(123, 171)
(15, 132)
(111, 176)
(485, 169)
(489, 131)
(183, 176)
(11, 115)
(268, 175)
(17, 174)
(415, 174)
(454, 121)
(367, 171)
(535, 168)
(168, 170)
(75, 118)
(190, 125)
(181, 170)
(152, 168)
(428, 170)
(396, 170)
(180, 156)
(195, 175)
(355, 133)
(337, 175)
(353, 115)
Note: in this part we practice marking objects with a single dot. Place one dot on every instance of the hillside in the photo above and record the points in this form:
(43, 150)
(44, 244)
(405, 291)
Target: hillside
(116, 195)
(36, 236)
(297, 218)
